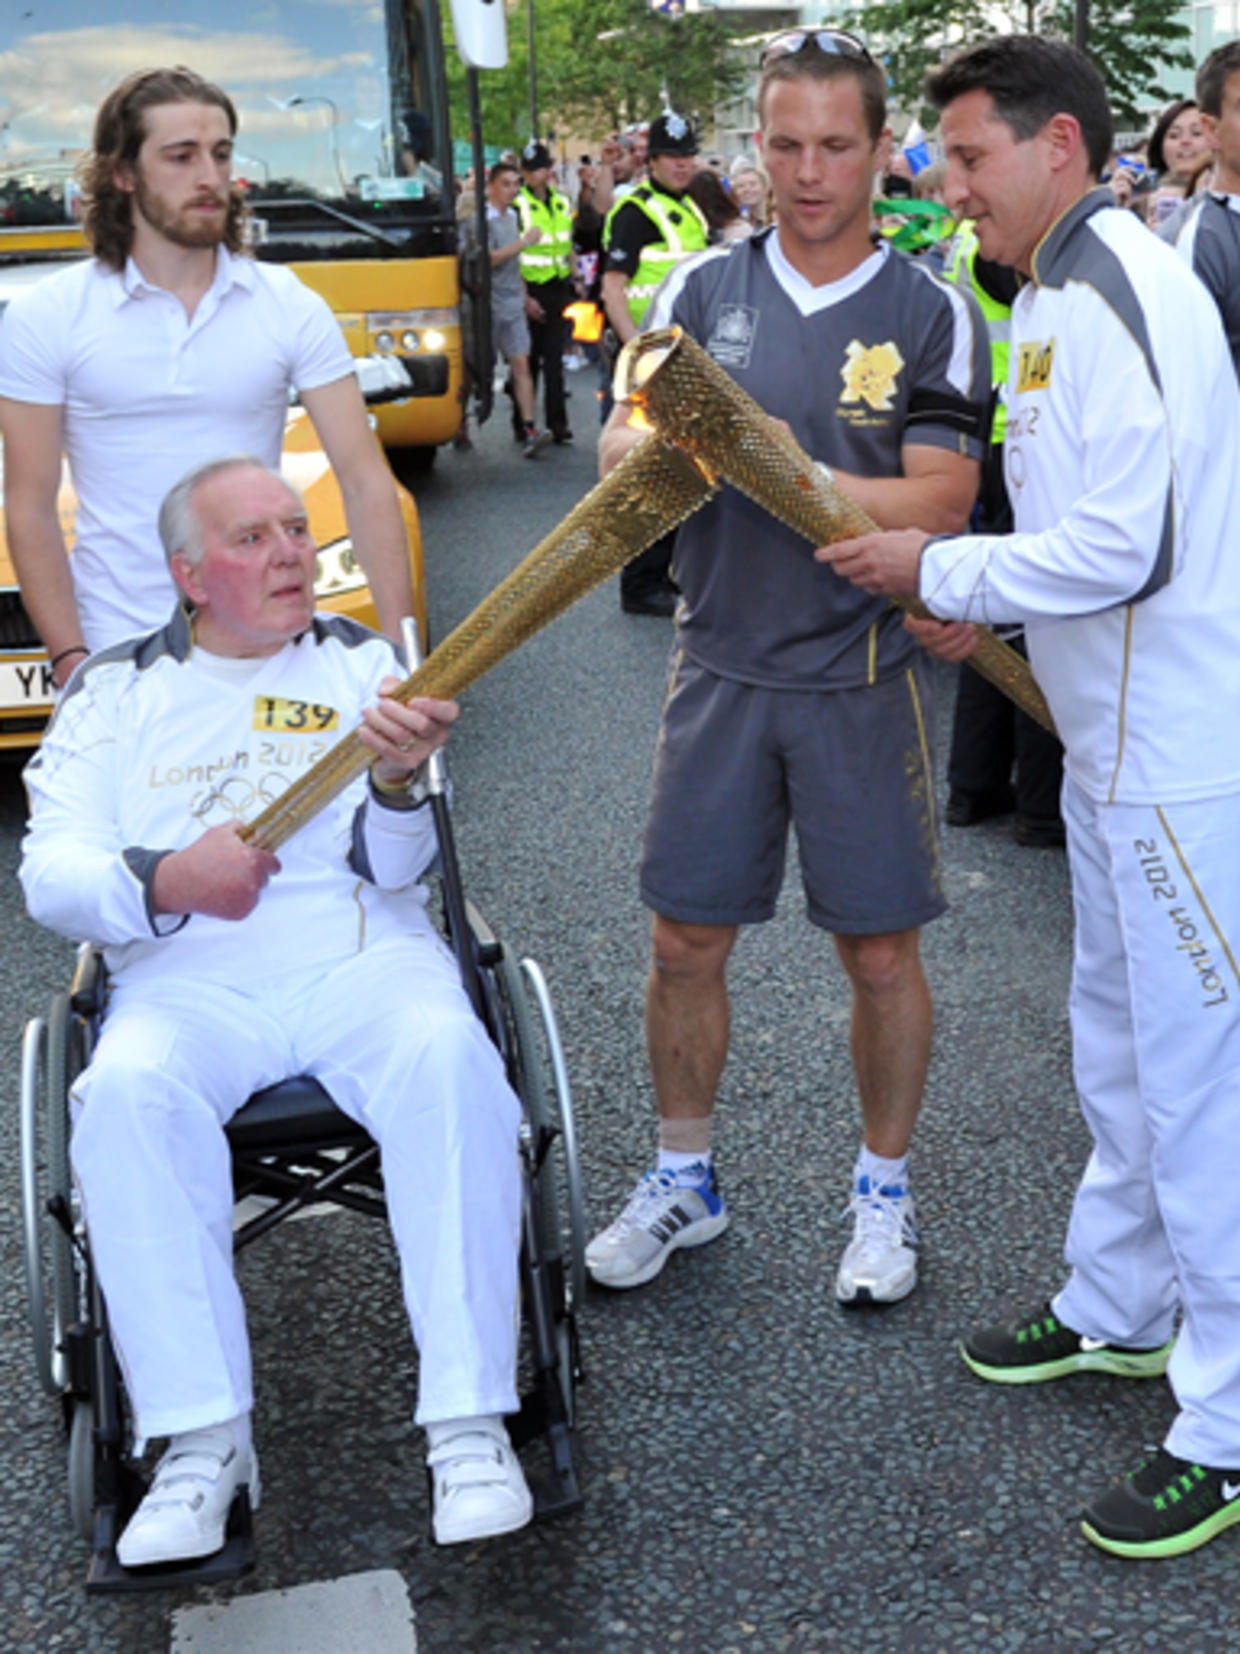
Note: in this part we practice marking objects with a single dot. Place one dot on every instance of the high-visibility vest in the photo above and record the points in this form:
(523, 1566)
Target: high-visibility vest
(682, 230)
(958, 268)
(550, 259)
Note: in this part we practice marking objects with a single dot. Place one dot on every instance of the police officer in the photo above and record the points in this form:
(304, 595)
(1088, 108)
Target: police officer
(647, 234)
(547, 268)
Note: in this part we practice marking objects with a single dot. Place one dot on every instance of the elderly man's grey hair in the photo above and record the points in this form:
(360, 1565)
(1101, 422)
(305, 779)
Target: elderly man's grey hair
(179, 528)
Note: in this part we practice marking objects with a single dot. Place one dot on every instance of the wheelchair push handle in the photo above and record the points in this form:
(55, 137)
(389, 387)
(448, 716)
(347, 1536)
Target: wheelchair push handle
(436, 767)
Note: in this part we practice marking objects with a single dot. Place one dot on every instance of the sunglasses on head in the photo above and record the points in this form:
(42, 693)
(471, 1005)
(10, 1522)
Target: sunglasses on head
(833, 42)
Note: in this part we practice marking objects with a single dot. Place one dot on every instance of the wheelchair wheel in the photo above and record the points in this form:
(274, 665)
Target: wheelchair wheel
(82, 1470)
(561, 1113)
(549, 1114)
(52, 1056)
(552, 1143)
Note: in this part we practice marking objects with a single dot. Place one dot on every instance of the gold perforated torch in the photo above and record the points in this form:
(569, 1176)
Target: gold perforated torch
(652, 490)
(690, 400)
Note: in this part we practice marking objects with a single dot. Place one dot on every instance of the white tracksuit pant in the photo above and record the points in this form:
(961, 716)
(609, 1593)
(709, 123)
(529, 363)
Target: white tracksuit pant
(1156, 1035)
(392, 1037)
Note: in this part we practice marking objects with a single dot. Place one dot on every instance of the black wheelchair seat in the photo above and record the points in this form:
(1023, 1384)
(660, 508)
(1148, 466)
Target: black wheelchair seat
(296, 1110)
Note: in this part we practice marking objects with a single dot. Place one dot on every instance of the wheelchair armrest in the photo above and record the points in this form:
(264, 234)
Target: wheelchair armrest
(90, 982)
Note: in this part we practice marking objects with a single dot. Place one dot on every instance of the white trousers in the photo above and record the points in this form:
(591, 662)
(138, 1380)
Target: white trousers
(1156, 1041)
(392, 1037)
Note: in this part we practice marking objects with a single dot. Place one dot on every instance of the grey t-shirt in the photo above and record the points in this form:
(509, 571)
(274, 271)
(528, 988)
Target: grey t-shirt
(507, 287)
(888, 356)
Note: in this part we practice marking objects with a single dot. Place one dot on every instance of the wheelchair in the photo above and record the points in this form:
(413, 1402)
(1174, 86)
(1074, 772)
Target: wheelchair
(293, 1149)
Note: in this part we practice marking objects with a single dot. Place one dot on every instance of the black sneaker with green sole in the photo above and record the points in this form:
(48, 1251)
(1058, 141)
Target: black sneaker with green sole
(1038, 1347)
(1164, 1508)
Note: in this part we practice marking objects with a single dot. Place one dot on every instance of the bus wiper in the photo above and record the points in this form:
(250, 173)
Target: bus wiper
(262, 206)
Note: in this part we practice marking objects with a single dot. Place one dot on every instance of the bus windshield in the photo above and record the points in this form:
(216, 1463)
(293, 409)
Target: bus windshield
(343, 135)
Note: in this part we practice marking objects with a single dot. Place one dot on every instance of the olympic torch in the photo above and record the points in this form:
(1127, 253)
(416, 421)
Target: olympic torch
(653, 489)
(692, 402)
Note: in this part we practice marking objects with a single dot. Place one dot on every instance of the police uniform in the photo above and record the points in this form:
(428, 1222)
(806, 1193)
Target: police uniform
(647, 234)
(794, 694)
(1122, 569)
(336, 972)
(547, 269)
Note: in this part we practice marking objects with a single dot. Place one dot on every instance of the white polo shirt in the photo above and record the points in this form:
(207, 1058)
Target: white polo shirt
(148, 394)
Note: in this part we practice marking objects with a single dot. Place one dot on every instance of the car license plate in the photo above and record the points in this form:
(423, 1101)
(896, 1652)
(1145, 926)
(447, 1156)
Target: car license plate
(26, 684)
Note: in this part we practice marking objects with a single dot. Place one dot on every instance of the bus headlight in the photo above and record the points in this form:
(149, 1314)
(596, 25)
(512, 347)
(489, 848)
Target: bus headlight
(415, 329)
(337, 570)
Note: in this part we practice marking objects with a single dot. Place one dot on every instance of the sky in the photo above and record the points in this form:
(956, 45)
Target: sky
(57, 61)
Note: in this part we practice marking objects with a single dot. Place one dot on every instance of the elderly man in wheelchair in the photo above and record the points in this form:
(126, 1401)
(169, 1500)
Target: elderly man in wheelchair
(231, 970)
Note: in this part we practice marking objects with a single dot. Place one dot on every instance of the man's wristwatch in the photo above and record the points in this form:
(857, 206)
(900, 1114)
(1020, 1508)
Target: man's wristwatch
(411, 792)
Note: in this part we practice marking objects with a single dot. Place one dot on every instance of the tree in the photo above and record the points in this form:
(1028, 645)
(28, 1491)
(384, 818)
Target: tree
(1131, 41)
(601, 64)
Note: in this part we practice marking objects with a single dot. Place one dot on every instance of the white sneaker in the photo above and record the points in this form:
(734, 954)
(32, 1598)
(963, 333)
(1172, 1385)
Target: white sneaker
(879, 1265)
(480, 1490)
(185, 1513)
(667, 1210)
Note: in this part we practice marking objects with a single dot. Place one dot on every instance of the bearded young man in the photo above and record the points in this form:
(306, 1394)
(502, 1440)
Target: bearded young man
(168, 342)
(794, 700)
(1121, 407)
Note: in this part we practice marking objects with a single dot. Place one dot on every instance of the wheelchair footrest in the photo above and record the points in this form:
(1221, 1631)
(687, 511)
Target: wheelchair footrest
(236, 1558)
(559, 1491)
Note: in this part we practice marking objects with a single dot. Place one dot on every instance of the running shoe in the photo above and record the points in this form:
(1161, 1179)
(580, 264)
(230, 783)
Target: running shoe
(1039, 1347)
(667, 1210)
(1165, 1507)
(879, 1265)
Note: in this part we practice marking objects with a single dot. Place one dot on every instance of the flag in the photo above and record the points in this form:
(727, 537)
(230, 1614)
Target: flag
(916, 148)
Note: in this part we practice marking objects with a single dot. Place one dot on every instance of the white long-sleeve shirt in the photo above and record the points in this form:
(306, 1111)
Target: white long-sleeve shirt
(1121, 455)
(157, 740)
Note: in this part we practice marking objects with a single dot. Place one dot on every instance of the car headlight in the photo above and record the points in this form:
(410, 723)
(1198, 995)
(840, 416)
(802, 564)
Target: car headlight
(337, 570)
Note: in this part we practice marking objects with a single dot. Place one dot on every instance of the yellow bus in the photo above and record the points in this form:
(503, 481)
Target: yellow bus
(344, 151)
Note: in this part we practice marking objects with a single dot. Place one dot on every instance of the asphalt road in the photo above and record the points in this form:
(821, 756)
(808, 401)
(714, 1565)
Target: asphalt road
(763, 1471)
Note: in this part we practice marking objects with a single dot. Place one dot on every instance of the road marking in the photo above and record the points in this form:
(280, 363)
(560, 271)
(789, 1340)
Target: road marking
(370, 1611)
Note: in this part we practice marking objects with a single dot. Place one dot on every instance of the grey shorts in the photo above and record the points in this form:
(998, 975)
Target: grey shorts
(510, 336)
(850, 768)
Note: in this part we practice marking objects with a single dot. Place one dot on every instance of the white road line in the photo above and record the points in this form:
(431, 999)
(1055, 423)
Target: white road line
(370, 1611)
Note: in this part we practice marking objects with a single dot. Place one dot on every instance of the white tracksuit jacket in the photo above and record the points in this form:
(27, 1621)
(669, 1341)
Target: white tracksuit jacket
(1122, 443)
(155, 741)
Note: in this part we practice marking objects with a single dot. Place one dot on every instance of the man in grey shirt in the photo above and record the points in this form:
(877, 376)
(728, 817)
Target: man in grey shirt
(794, 699)
(1206, 230)
(510, 333)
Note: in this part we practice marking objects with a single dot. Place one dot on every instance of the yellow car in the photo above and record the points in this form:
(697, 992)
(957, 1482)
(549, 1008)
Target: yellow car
(25, 678)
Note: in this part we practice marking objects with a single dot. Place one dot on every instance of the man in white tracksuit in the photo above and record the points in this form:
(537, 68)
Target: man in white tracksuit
(231, 970)
(1122, 404)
